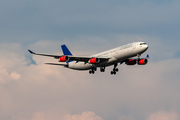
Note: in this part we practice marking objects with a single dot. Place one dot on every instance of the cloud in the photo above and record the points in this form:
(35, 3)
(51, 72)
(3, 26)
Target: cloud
(53, 92)
(4, 75)
(15, 76)
(162, 115)
(38, 116)
(84, 116)
(37, 91)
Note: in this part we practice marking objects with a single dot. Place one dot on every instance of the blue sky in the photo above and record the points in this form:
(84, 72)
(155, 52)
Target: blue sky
(40, 92)
(30, 21)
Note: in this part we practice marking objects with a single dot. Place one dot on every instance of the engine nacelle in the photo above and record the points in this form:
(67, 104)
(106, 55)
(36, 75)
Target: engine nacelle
(131, 62)
(94, 60)
(142, 61)
(63, 58)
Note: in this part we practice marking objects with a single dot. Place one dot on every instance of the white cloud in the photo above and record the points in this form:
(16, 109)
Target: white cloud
(52, 92)
(84, 116)
(4, 75)
(162, 115)
(38, 116)
(15, 76)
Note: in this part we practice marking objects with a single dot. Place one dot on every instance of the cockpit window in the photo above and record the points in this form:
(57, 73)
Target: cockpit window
(143, 44)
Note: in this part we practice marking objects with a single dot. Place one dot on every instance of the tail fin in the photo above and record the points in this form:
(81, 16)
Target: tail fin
(65, 50)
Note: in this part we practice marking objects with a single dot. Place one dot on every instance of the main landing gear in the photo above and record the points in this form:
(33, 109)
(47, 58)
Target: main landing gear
(92, 71)
(102, 69)
(114, 69)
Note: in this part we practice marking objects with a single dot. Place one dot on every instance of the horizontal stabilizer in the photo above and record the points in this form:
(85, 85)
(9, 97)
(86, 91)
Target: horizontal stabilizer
(56, 64)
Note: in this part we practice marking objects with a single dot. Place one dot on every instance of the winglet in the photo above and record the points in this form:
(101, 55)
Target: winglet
(31, 52)
(147, 56)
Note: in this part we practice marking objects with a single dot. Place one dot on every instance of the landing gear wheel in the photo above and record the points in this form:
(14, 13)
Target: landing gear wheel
(115, 69)
(102, 70)
(91, 72)
(113, 72)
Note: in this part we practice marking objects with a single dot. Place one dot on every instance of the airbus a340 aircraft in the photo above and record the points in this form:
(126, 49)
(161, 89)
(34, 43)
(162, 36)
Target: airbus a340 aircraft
(122, 54)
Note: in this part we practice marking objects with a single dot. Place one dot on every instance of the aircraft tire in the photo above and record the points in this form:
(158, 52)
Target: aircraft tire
(113, 72)
(102, 70)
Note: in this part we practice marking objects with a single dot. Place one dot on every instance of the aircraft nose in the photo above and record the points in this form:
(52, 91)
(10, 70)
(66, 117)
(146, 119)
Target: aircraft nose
(146, 47)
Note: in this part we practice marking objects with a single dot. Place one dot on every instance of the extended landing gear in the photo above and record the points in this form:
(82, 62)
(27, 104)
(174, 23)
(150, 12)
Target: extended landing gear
(92, 71)
(102, 69)
(114, 69)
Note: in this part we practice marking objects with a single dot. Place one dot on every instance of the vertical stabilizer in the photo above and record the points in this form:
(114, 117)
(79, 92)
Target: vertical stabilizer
(65, 50)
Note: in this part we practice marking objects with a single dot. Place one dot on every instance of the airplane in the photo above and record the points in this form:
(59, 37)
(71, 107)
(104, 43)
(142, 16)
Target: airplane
(121, 54)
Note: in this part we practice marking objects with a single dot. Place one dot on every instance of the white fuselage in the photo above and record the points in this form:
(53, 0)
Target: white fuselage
(116, 55)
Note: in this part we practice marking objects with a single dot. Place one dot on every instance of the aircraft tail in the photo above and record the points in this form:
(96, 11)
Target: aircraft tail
(66, 50)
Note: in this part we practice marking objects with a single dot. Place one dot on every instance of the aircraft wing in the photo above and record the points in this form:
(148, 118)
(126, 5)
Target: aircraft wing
(73, 58)
(55, 56)
(86, 58)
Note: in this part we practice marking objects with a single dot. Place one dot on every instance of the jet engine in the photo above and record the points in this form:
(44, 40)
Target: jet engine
(131, 62)
(142, 61)
(94, 60)
(63, 58)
